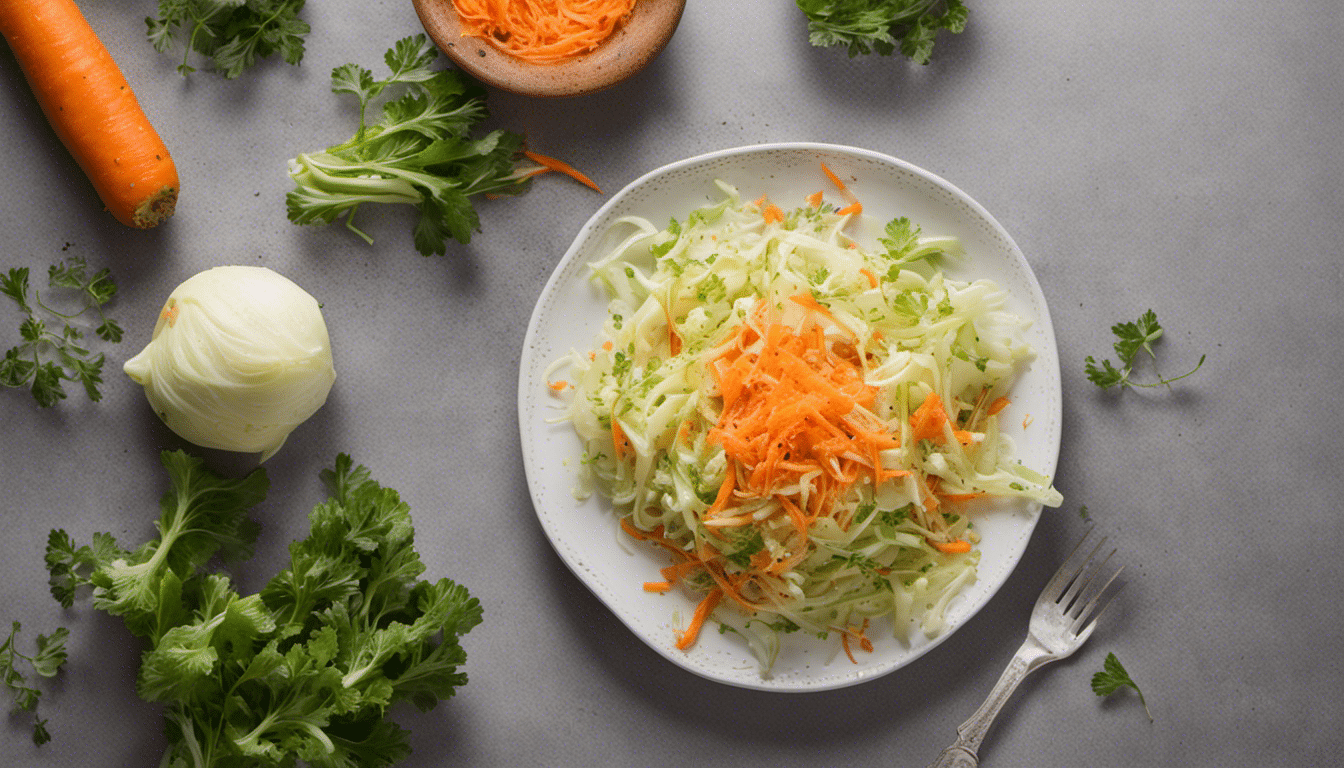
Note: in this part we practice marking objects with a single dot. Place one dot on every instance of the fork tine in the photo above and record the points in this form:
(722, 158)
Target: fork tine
(1062, 578)
(1088, 616)
(1073, 598)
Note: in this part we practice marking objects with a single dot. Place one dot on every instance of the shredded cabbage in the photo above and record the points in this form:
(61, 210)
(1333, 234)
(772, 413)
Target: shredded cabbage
(648, 402)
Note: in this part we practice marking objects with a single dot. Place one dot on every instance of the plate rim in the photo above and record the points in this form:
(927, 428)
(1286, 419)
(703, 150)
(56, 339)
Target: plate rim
(1041, 321)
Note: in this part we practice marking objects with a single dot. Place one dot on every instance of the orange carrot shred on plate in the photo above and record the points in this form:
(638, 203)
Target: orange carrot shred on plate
(854, 207)
(860, 635)
(954, 547)
(998, 405)
(559, 386)
(926, 423)
(618, 439)
(840, 185)
(872, 283)
(772, 213)
(814, 199)
(91, 107)
(657, 586)
(560, 166)
(543, 31)
(687, 637)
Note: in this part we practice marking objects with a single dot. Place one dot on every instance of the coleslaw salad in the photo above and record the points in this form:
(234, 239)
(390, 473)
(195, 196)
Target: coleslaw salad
(804, 424)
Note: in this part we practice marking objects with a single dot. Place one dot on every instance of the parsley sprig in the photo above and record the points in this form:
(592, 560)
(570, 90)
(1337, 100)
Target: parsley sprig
(882, 26)
(1112, 678)
(52, 350)
(419, 152)
(45, 661)
(1132, 338)
(232, 34)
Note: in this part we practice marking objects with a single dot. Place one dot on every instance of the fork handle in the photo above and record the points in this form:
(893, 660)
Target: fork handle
(962, 754)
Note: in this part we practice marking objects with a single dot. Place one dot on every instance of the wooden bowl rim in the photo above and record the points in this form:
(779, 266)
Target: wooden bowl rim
(629, 49)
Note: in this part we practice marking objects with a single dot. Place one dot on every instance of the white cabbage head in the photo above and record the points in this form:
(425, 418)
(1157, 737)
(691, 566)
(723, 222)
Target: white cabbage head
(239, 358)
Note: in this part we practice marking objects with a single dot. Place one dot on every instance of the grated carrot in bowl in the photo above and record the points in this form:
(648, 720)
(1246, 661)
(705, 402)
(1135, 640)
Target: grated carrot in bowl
(543, 31)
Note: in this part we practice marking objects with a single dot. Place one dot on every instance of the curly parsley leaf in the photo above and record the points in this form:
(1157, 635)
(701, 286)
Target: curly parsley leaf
(1131, 339)
(1112, 678)
(304, 670)
(232, 34)
(419, 152)
(51, 349)
(882, 26)
(46, 661)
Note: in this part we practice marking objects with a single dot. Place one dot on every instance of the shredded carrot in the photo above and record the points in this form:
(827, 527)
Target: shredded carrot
(618, 439)
(926, 423)
(674, 573)
(854, 207)
(840, 185)
(860, 634)
(657, 586)
(872, 283)
(963, 496)
(686, 639)
(772, 213)
(998, 405)
(814, 199)
(560, 166)
(543, 31)
(954, 547)
(1026, 421)
(559, 386)
(794, 406)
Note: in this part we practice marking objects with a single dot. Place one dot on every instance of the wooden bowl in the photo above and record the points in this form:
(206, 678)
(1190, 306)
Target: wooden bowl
(628, 50)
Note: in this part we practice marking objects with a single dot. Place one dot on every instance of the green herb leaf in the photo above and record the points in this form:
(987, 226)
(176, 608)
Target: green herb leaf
(1131, 338)
(882, 26)
(46, 662)
(49, 353)
(232, 34)
(1112, 678)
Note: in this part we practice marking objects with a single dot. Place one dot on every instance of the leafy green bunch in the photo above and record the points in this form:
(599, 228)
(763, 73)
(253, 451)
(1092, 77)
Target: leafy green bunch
(882, 26)
(303, 670)
(232, 34)
(419, 152)
(52, 350)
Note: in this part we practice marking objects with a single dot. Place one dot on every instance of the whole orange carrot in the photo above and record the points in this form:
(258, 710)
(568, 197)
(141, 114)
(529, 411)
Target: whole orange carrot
(92, 109)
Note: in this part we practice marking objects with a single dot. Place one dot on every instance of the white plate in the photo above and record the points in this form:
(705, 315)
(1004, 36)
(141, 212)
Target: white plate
(569, 315)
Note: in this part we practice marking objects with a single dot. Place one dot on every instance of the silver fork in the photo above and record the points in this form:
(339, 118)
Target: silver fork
(1064, 617)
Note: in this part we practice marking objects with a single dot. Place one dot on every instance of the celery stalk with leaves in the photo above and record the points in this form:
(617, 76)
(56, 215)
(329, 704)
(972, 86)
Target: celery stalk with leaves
(418, 152)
